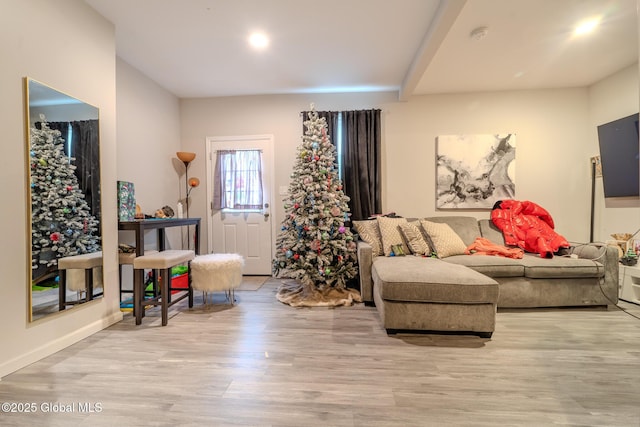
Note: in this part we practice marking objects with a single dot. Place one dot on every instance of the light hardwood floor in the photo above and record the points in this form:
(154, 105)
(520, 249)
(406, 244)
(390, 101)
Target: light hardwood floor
(262, 363)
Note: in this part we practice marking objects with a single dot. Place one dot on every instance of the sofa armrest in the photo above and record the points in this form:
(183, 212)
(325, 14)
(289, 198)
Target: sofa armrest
(608, 256)
(365, 261)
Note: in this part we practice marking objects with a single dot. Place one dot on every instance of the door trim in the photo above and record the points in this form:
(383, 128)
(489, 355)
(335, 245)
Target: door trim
(268, 141)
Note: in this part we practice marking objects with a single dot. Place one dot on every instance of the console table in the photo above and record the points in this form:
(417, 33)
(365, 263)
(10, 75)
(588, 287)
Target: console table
(139, 226)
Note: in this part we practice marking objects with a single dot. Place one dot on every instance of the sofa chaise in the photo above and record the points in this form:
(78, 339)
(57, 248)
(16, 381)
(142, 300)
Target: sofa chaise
(454, 291)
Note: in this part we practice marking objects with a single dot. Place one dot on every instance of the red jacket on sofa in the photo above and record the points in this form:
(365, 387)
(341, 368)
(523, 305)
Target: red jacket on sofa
(528, 226)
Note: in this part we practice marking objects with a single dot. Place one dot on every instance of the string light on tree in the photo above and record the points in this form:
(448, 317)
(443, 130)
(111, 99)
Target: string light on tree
(62, 224)
(314, 246)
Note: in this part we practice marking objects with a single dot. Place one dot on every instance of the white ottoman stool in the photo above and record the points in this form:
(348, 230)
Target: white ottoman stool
(217, 272)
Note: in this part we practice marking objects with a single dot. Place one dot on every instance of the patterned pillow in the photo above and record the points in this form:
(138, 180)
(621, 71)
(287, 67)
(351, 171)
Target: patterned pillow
(391, 234)
(414, 238)
(370, 233)
(445, 241)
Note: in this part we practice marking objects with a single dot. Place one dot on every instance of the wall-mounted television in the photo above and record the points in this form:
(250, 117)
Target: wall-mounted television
(619, 148)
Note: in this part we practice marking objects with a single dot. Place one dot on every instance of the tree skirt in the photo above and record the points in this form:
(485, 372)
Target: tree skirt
(298, 295)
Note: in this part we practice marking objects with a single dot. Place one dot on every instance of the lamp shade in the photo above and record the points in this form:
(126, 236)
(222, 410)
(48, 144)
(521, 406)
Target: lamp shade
(194, 182)
(186, 156)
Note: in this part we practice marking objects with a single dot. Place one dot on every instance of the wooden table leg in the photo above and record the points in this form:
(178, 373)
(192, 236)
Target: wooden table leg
(88, 279)
(138, 294)
(62, 289)
(164, 294)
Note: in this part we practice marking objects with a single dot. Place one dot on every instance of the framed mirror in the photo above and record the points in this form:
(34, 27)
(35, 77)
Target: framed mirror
(63, 171)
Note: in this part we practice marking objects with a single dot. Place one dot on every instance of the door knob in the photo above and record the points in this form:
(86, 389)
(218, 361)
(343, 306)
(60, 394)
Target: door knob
(266, 215)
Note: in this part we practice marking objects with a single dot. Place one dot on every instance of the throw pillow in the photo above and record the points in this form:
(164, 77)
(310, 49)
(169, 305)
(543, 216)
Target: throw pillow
(414, 239)
(370, 233)
(445, 241)
(391, 234)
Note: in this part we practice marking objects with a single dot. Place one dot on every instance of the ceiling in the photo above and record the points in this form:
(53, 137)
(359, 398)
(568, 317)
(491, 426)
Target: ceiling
(198, 48)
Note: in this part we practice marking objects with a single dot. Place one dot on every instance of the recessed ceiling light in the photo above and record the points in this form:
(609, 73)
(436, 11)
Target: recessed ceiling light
(258, 40)
(585, 27)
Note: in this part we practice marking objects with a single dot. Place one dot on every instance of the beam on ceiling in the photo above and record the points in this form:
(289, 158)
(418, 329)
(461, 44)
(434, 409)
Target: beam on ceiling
(444, 18)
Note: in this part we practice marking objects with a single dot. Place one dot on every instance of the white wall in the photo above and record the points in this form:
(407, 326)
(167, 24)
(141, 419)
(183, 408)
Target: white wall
(257, 115)
(551, 126)
(612, 98)
(148, 138)
(551, 161)
(69, 47)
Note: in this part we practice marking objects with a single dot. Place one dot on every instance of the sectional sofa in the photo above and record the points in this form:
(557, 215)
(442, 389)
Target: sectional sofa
(415, 289)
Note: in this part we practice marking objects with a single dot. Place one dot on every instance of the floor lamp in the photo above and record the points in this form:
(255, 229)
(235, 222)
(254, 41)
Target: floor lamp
(189, 184)
(596, 172)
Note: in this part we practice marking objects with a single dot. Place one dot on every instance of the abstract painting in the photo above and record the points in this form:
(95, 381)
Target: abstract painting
(475, 171)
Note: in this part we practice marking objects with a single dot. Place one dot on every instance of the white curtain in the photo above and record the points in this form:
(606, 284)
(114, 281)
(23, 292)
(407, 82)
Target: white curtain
(238, 180)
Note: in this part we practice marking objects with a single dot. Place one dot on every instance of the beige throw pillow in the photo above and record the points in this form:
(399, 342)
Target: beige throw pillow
(414, 238)
(370, 233)
(445, 241)
(391, 234)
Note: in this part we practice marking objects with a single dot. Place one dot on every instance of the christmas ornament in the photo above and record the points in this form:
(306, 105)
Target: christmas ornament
(313, 224)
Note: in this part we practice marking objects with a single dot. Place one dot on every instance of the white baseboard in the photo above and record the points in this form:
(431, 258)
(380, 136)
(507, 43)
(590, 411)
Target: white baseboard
(58, 344)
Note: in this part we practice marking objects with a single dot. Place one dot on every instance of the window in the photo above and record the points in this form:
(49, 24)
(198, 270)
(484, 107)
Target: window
(238, 180)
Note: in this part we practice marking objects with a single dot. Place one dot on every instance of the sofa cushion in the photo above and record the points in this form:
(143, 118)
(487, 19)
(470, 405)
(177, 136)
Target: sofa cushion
(492, 266)
(431, 280)
(444, 240)
(369, 232)
(560, 267)
(414, 238)
(391, 234)
(465, 226)
(491, 232)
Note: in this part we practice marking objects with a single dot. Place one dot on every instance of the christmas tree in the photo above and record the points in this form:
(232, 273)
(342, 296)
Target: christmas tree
(314, 246)
(61, 220)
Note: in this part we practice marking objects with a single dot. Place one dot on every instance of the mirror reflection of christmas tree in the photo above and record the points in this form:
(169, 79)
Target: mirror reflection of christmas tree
(61, 220)
(314, 245)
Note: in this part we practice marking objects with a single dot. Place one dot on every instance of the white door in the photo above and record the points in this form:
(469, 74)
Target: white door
(245, 232)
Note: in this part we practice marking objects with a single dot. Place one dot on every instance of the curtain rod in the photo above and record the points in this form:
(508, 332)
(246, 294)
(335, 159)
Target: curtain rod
(241, 149)
(343, 111)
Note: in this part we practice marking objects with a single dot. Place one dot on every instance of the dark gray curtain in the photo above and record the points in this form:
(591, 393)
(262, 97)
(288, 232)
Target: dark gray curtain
(332, 123)
(361, 158)
(361, 162)
(85, 148)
